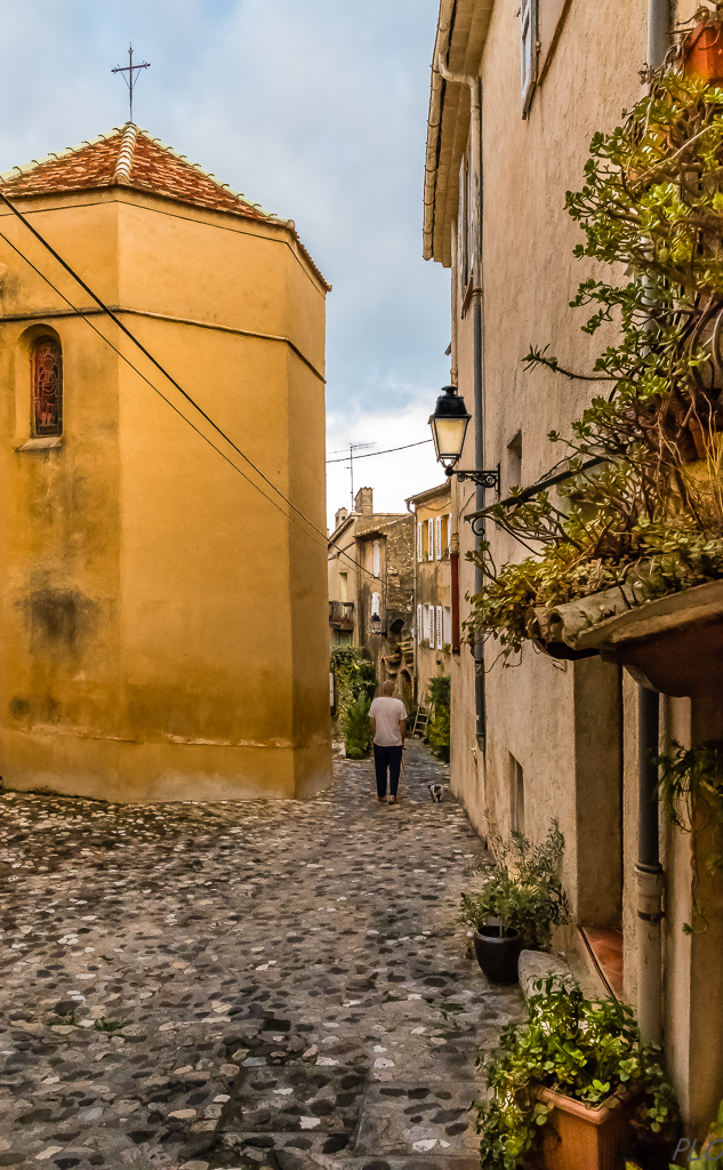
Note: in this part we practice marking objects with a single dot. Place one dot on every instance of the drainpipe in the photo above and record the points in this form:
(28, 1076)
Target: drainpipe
(648, 871)
(475, 161)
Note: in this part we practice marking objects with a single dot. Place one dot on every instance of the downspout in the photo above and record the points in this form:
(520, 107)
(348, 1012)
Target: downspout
(648, 871)
(475, 161)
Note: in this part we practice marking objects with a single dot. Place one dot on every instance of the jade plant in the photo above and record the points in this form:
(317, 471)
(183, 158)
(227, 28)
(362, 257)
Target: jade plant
(585, 1049)
(522, 888)
(649, 511)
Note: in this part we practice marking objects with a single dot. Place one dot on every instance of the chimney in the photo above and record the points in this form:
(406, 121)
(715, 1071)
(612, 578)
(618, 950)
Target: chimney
(363, 501)
(340, 517)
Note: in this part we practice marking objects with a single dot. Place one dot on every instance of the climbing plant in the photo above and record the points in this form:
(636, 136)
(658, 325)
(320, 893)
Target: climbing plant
(354, 678)
(650, 512)
(690, 787)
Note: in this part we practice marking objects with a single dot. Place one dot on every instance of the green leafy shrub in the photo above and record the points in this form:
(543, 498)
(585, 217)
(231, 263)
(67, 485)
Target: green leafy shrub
(438, 728)
(358, 729)
(523, 888)
(354, 677)
(583, 1048)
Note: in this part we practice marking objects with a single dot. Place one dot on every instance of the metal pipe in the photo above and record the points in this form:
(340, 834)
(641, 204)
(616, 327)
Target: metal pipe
(475, 168)
(648, 871)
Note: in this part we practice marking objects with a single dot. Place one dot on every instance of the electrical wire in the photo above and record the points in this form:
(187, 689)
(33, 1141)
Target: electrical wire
(389, 450)
(113, 316)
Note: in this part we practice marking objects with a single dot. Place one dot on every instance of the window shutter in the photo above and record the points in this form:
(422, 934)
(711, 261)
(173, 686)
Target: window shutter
(420, 632)
(438, 537)
(430, 635)
(430, 539)
(447, 626)
(439, 627)
(420, 542)
(528, 52)
(377, 558)
(449, 532)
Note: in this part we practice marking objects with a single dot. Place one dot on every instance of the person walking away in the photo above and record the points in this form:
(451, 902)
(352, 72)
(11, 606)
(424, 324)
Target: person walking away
(388, 719)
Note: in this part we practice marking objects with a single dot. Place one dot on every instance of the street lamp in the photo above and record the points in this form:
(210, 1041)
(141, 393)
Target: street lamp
(449, 427)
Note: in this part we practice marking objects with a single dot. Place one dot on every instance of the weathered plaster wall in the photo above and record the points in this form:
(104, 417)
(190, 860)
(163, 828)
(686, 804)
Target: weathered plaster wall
(160, 583)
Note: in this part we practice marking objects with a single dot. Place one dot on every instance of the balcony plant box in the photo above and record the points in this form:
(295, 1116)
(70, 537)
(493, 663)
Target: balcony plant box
(584, 1137)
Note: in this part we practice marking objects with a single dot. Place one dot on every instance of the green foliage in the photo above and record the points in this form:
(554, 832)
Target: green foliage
(358, 730)
(523, 888)
(438, 729)
(583, 1048)
(652, 208)
(690, 787)
(354, 676)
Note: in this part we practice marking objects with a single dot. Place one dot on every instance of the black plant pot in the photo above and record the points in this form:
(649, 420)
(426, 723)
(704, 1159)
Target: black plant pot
(497, 952)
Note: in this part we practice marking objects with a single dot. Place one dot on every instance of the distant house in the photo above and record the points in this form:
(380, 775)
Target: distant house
(436, 632)
(371, 587)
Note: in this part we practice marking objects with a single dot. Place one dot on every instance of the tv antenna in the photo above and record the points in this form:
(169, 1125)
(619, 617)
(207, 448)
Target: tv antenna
(352, 448)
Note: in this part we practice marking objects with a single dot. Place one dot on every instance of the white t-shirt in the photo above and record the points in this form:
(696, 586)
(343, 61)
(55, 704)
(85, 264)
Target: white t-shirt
(388, 713)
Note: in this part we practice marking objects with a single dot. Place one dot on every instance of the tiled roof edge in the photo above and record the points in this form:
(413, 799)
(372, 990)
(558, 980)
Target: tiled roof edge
(16, 171)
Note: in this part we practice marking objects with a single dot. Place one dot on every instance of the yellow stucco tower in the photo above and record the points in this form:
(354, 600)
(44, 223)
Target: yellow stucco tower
(162, 617)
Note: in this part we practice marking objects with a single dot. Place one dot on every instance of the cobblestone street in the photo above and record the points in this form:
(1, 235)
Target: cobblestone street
(241, 985)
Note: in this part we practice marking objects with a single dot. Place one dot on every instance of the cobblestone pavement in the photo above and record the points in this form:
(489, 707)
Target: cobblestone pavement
(241, 985)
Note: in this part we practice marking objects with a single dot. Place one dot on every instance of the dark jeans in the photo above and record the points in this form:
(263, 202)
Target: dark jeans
(387, 758)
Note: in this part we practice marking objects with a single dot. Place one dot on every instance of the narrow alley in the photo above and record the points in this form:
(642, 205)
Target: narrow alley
(241, 985)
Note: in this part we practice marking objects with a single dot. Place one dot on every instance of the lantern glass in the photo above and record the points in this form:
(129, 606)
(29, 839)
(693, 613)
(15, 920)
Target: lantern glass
(449, 426)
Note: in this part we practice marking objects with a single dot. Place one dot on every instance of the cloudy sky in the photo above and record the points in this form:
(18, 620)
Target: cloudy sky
(317, 110)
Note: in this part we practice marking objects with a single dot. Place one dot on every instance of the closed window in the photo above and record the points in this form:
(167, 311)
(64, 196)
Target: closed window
(430, 539)
(528, 52)
(376, 558)
(420, 623)
(46, 374)
(438, 624)
(430, 625)
(375, 605)
(449, 532)
(447, 626)
(420, 541)
(438, 538)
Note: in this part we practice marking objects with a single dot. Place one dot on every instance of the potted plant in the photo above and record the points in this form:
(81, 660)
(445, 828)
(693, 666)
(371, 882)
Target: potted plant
(519, 903)
(571, 1086)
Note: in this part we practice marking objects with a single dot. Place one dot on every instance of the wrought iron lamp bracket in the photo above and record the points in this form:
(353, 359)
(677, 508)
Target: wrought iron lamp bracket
(484, 479)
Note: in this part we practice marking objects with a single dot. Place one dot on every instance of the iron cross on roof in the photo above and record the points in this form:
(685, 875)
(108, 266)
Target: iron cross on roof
(131, 70)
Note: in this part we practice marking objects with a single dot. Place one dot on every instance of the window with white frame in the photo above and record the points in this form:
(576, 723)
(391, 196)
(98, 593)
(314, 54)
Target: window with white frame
(438, 537)
(439, 627)
(376, 558)
(420, 623)
(375, 605)
(447, 626)
(528, 52)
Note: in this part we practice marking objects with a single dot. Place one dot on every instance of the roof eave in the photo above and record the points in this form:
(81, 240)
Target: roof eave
(461, 34)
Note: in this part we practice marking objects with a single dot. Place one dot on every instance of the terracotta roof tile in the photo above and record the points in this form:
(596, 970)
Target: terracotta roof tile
(131, 157)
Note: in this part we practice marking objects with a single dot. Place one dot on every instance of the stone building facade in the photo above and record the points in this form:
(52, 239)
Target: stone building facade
(517, 92)
(436, 620)
(162, 617)
(371, 587)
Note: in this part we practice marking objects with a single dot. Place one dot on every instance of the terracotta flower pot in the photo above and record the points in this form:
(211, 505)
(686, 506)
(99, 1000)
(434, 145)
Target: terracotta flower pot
(585, 1137)
(703, 52)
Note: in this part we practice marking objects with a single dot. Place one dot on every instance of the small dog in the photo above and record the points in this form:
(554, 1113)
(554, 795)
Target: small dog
(436, 791)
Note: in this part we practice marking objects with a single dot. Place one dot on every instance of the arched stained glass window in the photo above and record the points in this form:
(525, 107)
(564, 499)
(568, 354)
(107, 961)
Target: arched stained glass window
(46, 371)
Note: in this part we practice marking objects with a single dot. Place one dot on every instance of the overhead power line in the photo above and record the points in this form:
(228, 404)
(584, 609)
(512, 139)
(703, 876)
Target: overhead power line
(124, 329)
(389, 450)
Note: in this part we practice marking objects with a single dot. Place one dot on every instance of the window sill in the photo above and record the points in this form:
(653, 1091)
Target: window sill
(42, 443)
